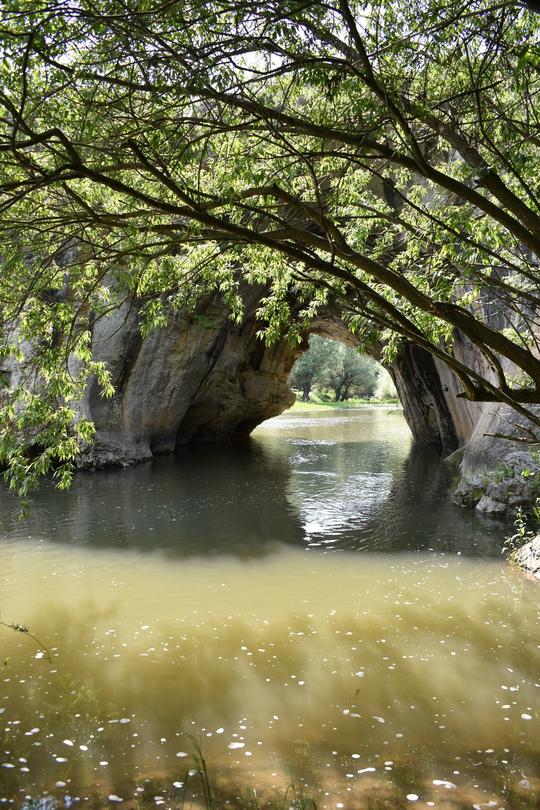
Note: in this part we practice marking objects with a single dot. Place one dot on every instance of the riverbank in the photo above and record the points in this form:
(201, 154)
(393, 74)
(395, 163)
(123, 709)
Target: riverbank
(321, 405)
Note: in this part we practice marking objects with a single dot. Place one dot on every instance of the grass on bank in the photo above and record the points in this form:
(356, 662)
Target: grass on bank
(317, 404)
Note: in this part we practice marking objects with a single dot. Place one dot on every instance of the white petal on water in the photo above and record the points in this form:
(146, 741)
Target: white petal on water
(378, 719)
(68, 742)
(114, 798)
(182, 754)
(525, 716)
(444, 783)
(412, 797)
(234, 745)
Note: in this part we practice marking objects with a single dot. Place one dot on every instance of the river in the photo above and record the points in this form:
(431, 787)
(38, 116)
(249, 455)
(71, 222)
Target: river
(306, 611)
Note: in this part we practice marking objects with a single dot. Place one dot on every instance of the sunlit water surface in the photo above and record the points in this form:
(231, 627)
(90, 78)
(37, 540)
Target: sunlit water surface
(307, 609)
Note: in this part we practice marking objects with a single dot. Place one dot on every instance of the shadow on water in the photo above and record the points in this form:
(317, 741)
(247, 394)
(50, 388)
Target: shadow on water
(347, 480)
(204, 500)
(354, 674)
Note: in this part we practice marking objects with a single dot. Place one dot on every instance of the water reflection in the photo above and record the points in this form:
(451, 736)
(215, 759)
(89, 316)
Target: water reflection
(206, 500)
(196, 598)
(358, 483)
(338, 670)
(346, 479)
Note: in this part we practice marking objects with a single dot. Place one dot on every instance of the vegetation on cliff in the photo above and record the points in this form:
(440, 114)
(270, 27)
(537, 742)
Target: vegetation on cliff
(384, 157)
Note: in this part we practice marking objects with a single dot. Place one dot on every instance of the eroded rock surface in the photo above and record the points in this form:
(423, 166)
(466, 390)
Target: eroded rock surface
(201, 378)
(513, 481)
(424, 400)
(528, 557)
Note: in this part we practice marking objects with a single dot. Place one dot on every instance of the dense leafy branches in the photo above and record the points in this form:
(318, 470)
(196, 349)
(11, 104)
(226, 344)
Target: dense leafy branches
(385, 157)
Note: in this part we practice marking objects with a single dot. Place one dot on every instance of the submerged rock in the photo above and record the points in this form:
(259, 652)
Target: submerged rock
(489, 506)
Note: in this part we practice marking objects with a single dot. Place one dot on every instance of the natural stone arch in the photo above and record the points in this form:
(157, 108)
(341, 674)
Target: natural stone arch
(421, 390)
(204, 378)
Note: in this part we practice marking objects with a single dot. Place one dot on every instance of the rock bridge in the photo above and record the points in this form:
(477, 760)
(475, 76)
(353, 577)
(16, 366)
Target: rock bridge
(204, 378)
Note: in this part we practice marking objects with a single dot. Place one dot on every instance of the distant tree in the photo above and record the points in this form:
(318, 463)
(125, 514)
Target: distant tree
(311, 367)
(385, 390)
(351, 373)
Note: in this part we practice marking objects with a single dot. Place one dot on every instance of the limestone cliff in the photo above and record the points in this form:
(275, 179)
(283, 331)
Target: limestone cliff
(201, 378)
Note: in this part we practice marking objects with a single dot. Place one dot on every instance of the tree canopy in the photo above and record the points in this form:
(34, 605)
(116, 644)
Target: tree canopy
(384, 157)
(311, 366)
(351, 374)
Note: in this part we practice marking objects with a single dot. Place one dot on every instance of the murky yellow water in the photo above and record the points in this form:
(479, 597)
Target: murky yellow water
(366, 679)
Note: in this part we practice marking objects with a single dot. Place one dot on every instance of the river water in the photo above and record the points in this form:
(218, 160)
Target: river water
(307, 611)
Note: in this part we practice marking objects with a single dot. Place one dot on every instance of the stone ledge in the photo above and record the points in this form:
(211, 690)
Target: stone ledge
(528, 558)
(514, 482)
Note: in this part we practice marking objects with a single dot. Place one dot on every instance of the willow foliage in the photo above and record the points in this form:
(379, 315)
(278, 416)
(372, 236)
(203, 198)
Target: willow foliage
(382, 157)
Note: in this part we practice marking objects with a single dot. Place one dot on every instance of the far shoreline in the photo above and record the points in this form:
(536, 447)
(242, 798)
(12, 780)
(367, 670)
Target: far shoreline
(350, 404)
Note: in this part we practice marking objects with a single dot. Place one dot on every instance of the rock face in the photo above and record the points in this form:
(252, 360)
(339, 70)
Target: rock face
(512, 482)
(528, 557)
(424, 399)
(201, 378)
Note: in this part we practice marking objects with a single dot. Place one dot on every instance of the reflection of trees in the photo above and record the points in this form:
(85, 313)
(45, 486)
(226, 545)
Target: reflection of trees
(208, 679)
(207, 499)
(420, 515)
(342, 479)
